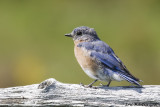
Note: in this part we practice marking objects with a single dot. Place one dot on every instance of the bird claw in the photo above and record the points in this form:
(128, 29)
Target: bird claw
(88, 86)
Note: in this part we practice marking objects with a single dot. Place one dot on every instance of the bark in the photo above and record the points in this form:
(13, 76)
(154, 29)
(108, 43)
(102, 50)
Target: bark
(52, 92)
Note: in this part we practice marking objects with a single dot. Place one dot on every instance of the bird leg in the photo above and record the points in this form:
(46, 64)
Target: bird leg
(90, 85)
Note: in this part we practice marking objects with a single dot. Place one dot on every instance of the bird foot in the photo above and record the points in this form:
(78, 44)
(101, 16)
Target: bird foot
(88, 86)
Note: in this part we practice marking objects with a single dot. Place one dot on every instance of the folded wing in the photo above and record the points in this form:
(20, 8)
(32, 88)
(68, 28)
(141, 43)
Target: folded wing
(103, 53)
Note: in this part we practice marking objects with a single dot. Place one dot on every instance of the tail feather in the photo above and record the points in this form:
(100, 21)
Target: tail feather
(130, 79)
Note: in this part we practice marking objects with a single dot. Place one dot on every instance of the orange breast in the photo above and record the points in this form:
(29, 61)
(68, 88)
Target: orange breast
(84, 59)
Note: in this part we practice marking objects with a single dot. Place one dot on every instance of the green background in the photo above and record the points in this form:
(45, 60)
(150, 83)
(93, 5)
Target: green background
(33, 46)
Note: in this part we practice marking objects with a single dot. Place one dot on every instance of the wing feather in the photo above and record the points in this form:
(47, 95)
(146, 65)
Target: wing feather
(102, 52)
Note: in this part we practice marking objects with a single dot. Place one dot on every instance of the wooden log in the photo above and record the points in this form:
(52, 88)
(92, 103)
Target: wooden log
(52, 92)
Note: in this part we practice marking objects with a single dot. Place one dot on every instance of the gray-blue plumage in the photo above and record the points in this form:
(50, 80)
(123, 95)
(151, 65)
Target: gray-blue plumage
(102, 52)
(104, 65)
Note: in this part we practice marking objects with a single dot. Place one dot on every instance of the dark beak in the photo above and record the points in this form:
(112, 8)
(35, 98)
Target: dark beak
(69, 35)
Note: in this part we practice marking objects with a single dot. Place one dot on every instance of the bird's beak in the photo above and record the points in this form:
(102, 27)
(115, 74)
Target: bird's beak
(69, 35)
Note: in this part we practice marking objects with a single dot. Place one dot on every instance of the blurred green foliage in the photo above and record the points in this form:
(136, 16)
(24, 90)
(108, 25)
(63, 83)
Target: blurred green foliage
(33, 46)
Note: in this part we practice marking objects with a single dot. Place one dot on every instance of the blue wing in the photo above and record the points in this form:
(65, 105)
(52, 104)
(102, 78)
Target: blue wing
(102, 52)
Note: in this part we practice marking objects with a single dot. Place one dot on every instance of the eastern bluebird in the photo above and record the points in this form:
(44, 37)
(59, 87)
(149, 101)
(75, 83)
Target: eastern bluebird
(97, 59)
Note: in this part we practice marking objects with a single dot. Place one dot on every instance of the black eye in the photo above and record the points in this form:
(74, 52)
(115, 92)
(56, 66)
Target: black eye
(79, 33)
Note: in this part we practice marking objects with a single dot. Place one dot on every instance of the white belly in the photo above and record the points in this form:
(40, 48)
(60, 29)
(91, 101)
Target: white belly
(89, 73)
(97, 75)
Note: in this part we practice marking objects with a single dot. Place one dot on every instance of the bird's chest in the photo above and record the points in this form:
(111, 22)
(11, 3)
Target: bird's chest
(87, 63)
(83, 58)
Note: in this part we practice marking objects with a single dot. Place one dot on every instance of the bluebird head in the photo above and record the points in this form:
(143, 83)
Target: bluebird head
(83, 33)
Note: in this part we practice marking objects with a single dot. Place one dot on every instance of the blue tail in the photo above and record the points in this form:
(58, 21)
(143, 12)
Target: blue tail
(129, 78)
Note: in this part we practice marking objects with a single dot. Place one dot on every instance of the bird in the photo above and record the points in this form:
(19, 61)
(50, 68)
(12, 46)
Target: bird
(97, 58)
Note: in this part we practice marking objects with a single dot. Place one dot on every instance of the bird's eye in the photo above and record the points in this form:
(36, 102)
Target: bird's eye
(79, 33)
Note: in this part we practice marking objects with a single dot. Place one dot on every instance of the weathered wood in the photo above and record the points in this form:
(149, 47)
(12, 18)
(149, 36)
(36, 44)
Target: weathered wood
(52, 92)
